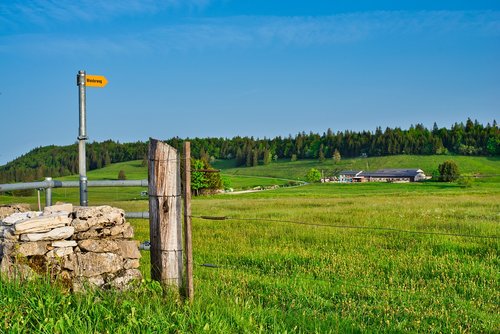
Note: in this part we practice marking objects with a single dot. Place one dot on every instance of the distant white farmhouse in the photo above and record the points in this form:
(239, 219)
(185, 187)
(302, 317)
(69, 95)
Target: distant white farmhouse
(350, 176)
(383, 175)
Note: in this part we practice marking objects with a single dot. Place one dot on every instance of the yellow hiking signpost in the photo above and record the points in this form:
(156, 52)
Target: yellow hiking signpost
(95, 81)
(83, 81)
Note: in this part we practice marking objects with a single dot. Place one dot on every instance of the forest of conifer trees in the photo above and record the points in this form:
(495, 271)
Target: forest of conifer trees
(471, 138)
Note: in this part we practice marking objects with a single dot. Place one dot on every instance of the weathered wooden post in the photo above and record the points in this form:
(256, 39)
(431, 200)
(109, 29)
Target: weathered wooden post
(188, 246)
(165, 225)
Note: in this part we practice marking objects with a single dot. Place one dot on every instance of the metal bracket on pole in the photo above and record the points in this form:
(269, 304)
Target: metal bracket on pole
(48, 192)
(83, 191)
(82, 137)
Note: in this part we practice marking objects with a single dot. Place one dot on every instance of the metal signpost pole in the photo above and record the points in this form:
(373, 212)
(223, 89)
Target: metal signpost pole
(82, 137)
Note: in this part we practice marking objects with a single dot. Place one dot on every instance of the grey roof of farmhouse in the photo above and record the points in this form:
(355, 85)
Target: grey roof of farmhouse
(393, 173)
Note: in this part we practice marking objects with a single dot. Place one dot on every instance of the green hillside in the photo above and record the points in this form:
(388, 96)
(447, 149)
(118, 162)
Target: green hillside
(134, 170)
(282, 171)
(428, 163)
(277, 173)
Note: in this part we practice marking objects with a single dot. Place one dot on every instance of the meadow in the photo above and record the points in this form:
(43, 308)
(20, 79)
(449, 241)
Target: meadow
(322, 258)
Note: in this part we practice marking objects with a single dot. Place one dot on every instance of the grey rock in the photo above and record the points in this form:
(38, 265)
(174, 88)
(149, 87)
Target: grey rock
(20, 216)
(96, 280)
(41, 224)
(70, 262)
(98, 246)
(118, 229)
(93, 264)
(124, 231)
(64, 243)
(7, 247)
(97, 217)
(129, 249)
(123, 281)
(32, 248)
(131, 264)
(90, 234)
(59, 233)
(9, 234)
(9, 209)
(66, 208)
(59, 252)
(80, 225)
(82, 284)
(129, 232)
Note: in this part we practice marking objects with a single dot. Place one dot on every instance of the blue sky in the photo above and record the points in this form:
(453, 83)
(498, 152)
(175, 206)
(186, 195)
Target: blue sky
(252, 68)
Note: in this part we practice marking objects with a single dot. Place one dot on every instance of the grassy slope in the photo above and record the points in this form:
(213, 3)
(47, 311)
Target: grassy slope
(134, 171)
(287, 170)
(248, 177)
(298, 169)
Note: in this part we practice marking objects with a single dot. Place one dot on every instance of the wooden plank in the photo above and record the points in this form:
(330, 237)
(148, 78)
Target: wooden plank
(188, 244)
(165, 226)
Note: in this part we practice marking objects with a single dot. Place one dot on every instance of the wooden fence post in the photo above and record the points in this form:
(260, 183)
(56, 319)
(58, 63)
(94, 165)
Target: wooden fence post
(188, 246)
(165, 226)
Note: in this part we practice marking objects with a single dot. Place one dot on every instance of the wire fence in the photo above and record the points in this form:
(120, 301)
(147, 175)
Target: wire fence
(373, 228)
(409, 287)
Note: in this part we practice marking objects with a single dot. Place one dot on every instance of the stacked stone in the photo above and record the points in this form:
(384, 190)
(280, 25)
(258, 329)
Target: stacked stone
(82, 246)
(8, 209)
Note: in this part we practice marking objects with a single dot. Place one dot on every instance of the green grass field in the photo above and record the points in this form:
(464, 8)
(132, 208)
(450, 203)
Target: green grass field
(306, 259)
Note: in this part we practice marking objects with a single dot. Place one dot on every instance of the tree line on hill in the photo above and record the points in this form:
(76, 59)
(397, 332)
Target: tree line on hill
(471, 138)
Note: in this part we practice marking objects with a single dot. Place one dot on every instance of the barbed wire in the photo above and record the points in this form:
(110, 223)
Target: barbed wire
(375, 228)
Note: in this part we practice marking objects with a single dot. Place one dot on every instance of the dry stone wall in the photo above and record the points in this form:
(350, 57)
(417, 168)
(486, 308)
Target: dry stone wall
(79, 246)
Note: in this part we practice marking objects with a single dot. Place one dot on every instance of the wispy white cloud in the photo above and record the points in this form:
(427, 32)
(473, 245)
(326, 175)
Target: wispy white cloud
(326, 30)
(254, 31)
(56, 45)
(43, 12)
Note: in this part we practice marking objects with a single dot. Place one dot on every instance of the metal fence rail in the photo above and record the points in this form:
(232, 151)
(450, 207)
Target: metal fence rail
(49, 183)
(141, 215)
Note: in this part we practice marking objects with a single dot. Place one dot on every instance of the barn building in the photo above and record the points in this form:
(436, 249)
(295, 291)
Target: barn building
(383, 175)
